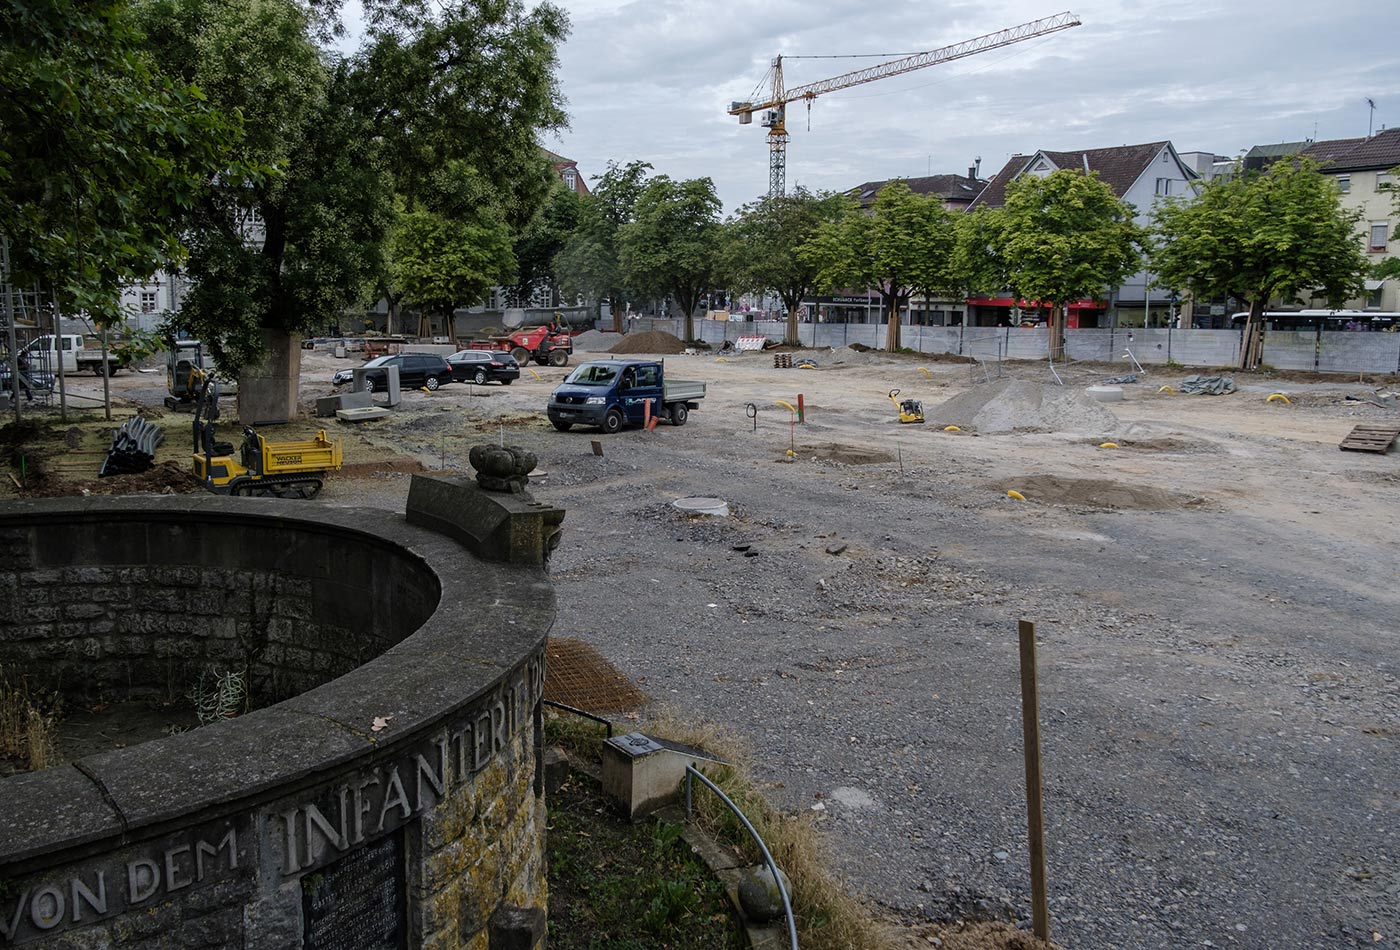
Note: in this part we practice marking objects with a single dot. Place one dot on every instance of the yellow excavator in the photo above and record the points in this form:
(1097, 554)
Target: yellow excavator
(263, 468)
(910, 410)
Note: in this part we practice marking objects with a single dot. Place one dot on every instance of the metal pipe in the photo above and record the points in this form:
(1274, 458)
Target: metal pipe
(580, 712)
(691, 771)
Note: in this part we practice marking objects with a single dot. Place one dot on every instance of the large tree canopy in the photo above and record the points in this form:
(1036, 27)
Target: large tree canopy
(588, 263)
(1259, 236)
(537, 247)
(902, 246)
(101, 156)
(439, 110)
(672, 244)
(761, 242)
(1062, 238)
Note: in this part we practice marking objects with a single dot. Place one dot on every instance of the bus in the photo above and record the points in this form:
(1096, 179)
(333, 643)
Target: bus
(1354, 320)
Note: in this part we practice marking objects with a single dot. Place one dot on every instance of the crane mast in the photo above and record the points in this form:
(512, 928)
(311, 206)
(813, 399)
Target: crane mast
(775, 109)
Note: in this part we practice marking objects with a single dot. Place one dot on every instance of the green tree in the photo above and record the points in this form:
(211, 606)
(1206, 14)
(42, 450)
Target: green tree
(588, 264)
(1259, 236)
(537, 247)
(1065, 237)
(904, 245)
(761, 241)
(102, 157)
(440, 107)
(978, 267)
(439, 262)
(672, 244)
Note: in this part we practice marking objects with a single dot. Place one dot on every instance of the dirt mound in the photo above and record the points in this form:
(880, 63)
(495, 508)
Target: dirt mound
(1009, 405)
(652, 341)
(1095, 493)
(167, 478)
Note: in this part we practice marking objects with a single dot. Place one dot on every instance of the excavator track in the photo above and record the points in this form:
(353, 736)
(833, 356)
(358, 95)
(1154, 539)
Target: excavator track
(276, 486)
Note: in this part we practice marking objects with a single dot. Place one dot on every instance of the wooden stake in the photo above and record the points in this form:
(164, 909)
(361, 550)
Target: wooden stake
(1035, 816)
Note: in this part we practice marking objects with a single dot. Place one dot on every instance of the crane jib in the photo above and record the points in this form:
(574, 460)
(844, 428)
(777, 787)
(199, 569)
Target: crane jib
(780, 96)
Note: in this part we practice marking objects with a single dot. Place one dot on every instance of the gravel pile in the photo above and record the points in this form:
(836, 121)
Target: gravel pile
(594, 341)
(1009, 405)
(652, 341)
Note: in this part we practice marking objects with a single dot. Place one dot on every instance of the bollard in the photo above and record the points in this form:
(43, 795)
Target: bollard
(801, 410)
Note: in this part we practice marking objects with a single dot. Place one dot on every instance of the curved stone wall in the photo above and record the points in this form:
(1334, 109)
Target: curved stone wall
(385, 796)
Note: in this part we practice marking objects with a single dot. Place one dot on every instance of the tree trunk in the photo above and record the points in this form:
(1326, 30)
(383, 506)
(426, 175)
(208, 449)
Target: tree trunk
(892, 326)
(1057, 331)
(1252, 342)
(792, 327)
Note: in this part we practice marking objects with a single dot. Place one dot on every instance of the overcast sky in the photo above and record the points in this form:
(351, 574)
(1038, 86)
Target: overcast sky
(652, 80)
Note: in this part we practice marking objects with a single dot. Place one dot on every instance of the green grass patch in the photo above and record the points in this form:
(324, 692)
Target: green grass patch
(620, 886)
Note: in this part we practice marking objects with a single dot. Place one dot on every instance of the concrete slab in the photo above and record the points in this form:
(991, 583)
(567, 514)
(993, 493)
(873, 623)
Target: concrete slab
(361, 415)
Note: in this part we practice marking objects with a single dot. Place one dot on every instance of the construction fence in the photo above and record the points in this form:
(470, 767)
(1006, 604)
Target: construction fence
(1326, 351)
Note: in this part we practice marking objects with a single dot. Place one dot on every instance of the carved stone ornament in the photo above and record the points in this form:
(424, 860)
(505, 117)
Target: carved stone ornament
(503, 468)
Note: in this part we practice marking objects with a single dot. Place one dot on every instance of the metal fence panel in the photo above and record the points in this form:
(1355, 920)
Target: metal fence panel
(1291, 349)
(1357, 352)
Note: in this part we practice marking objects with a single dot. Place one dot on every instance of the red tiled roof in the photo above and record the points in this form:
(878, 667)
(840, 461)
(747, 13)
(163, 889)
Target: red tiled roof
(1381, 150)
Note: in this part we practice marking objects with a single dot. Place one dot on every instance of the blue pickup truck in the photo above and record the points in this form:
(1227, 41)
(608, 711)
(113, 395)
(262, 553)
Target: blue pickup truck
(613, 393)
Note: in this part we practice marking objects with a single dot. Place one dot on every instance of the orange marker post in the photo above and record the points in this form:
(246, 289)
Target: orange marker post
(801, 411)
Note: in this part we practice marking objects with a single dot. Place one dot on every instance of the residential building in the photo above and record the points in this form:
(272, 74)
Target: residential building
(567, 170)
(955, 191)
(1141, 175)
(1364, 170)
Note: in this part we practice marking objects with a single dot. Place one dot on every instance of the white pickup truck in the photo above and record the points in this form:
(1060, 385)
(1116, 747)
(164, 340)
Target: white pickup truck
(42, 353)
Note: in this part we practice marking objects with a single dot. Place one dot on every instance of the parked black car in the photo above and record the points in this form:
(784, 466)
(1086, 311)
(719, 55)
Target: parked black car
(416, 370)
(478, 366)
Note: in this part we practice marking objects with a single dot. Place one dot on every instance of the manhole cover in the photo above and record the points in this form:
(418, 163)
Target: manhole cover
(702, 506)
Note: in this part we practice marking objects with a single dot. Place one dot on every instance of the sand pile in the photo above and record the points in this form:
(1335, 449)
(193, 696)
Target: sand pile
(652, 341)
(1008, 405)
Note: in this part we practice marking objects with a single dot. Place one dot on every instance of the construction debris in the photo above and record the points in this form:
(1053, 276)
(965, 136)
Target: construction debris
(1206, 386)
(133, 448)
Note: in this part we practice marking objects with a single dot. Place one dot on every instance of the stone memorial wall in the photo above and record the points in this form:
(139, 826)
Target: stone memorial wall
(384, 792)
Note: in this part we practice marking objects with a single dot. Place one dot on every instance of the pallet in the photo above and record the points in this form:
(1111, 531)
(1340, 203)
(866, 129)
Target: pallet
(1370, 438)
(782, 361)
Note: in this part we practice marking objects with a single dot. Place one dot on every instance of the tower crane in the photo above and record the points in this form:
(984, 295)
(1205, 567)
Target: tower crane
(775, 109)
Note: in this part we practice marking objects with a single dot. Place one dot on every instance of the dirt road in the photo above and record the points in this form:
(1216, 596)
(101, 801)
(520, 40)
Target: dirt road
(1218, 654)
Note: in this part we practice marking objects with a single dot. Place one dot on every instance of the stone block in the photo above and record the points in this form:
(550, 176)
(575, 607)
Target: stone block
(361, 415)
(642, 774)
(326, 406)
(517, 928)
(361, 399)
(267, 392)
(495, 526)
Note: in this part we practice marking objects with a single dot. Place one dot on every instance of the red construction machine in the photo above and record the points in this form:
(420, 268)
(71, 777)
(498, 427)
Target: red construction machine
(545, 345)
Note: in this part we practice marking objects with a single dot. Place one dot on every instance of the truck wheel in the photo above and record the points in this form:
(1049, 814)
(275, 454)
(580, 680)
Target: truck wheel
(431, 384)
(679, 413)
(558, 358)
(522, 355)
(561, 426)
(612, 421)
(480, 377)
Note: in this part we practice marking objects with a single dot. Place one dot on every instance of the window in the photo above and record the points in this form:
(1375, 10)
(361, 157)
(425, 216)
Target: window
(1164, 186)
(571, 179)
(1344, 184)
(1379, 235)
(1384, 181)
(646, 376)
(148, 301)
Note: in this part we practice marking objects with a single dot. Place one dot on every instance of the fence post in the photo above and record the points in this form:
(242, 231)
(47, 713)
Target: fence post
(1035, 816)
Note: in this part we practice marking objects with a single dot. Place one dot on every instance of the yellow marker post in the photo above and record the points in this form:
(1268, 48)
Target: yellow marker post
(1279, 396)
(952, 428)
(536, 375)
(1167, 389)
(1013, 493)
(927, 374)
(1108, 445)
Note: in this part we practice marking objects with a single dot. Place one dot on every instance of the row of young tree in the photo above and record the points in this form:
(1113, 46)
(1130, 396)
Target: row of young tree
(1059, 238)
(150, 134)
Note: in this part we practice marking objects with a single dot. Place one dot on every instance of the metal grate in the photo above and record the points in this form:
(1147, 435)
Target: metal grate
(576, 674)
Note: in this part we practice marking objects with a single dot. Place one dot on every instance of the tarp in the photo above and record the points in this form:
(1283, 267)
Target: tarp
(1206, 385)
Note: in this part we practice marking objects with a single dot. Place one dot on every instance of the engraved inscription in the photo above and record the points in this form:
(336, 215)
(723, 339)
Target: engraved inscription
(359, 901)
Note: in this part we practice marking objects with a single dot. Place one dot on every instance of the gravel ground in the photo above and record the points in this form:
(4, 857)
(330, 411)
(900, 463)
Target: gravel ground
(1219, 690)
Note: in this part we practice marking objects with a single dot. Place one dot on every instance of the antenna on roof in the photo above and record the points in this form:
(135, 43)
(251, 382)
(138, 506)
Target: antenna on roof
(1371, 120)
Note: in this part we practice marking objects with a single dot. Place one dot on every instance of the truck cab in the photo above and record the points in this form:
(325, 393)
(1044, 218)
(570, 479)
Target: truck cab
(47, 351)
(617, 392)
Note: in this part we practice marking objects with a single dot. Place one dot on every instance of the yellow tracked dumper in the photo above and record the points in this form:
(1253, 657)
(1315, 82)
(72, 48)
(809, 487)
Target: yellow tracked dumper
(279, 469)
